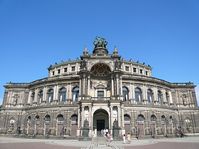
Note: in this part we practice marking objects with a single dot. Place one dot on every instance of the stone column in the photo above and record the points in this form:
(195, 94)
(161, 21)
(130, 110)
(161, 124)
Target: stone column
(55, 94)
(36, 95)
(130, 92)
(112, 86)
(29, 98)
(44, 94)
(80, 86)
(117, 84)
(155, 92)
(88, 86)
(164, 96)
(121, 92)
(170, 98)
(119, 116)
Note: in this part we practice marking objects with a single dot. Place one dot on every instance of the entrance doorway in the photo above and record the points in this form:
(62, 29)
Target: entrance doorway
(100, 125)
(100, 120)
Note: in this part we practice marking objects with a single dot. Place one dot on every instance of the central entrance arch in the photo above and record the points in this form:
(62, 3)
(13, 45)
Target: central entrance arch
(100, 120)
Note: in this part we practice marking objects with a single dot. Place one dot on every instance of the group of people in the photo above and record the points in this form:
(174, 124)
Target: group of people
(107, 135)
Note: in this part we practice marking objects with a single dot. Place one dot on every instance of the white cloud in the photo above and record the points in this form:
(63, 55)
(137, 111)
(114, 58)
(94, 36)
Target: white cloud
(197, 93)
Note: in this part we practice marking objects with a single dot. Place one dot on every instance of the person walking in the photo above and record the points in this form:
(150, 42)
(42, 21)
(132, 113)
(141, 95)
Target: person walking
(124, 138)
(129, 138)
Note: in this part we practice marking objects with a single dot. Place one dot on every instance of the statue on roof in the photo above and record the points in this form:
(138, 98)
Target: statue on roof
(100, 42)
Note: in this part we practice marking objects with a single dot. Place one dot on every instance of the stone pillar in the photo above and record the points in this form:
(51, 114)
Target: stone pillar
(112, 86)
(55, 93)
(70, 92)
(88, 86)
(44, 94)
(130, 92)
(155, 92)
(36, 95)
(29, 98)
(80, 86)
(164, 96)
(121, 92)
(119, 116)
(170, 98)
(117, 84)
(144, 91)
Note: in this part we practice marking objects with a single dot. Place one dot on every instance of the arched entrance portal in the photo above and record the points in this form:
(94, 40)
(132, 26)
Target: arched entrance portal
(100, 120)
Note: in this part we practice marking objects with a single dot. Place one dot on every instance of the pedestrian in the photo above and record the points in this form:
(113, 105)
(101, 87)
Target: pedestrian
(108, 139)
(124, 138)
(129, 138)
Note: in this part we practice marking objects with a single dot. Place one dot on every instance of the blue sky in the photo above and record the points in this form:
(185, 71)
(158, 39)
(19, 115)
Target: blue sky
(37, 33)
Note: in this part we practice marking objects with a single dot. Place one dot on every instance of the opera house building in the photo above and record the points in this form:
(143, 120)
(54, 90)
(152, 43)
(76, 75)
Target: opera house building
(97, 91)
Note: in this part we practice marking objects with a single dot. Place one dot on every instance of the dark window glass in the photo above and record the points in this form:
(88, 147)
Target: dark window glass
(73, 68)
(127, 68)
(134, 69)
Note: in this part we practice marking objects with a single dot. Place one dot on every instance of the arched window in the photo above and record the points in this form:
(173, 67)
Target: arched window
(50, 94)
(74, 119)
(163, 119)
(140, 118)
(159, 96)
(40, 95)
(153, 118)
(60, 118)
(127, 119)
(37, 119)
(47, 118)
(62, 94)
(75, 93)
(138, 94)
(125, 92)
(150, 95)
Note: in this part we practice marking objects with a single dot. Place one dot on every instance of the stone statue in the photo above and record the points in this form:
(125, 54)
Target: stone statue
(100, 42)
(83, 64)
(118, 65)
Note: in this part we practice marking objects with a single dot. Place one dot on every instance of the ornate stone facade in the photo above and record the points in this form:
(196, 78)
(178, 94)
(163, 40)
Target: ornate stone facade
(99, 91)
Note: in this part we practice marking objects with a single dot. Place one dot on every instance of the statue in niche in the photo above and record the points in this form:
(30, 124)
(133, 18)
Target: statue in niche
(115, 124)
(115, 129)
(85, 129)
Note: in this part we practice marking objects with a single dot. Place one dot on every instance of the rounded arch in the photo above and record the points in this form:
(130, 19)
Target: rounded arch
(127, 119)
(163, 118)
(150, 96)
(138, 94)
(60, 117)
(125, 92)
(100, 119)
(47, 118)
(62, 94)
(74, 119)
(37, 117)
(153, 117)
(100, 70)
(140, 117)
(50, 94)
(75, 93)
